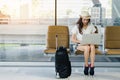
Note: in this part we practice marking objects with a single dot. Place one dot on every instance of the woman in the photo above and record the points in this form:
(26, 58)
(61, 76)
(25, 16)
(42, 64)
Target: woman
(85, 27)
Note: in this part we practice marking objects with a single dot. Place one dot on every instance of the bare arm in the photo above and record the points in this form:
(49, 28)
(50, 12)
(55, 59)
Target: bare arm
(74, 39)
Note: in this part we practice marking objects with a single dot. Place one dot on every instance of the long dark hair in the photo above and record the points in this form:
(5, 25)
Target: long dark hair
(80, 25)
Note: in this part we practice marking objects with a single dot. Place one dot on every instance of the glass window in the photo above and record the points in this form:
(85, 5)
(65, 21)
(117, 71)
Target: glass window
(69, 11)
(34, 16)
(28, 11)
(23, 38)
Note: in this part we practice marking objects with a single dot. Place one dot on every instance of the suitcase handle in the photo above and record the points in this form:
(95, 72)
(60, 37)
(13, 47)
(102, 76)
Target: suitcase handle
(56, 41)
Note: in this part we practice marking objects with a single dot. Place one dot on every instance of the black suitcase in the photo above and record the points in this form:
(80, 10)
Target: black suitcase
(62, 63)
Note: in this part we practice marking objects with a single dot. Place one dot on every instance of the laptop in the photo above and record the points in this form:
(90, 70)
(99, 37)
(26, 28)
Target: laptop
(95, 39)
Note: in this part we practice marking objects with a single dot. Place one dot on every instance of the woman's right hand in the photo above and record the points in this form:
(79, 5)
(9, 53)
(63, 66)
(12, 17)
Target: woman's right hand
(78, 41)
(74, 39)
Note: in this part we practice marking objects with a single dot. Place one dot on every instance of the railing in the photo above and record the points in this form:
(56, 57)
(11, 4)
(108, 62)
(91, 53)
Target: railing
(61, 21)
(22, 39)
(26, 21)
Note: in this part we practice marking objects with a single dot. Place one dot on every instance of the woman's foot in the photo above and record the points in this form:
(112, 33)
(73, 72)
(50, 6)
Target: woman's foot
(86, 70)
(91, 71)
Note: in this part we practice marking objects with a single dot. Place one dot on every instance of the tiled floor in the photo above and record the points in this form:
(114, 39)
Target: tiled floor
(48, 73)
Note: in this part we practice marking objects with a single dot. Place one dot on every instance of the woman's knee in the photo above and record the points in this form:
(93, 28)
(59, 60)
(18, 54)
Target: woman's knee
(92, 46)
(87, 48)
